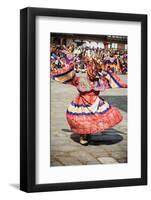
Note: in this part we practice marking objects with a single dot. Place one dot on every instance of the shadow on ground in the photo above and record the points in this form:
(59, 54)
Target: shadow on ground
(117, 101)
(109, 138)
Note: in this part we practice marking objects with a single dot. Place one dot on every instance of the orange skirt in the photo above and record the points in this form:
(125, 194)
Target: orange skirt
(85, 118)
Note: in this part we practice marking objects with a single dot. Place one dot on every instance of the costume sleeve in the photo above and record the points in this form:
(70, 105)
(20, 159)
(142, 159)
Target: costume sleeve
(112, 81)
(65, 75)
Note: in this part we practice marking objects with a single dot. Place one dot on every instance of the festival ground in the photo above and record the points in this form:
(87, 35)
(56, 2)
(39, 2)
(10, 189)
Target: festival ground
(107, 148)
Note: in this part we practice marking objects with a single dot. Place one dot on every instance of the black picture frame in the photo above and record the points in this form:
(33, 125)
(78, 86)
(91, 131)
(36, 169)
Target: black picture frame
(28, 99)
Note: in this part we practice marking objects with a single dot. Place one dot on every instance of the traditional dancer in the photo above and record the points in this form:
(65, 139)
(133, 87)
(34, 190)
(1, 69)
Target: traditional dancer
(88, 113)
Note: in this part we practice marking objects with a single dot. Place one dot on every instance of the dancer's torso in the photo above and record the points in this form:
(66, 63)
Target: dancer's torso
(84, 85)
(88, 91)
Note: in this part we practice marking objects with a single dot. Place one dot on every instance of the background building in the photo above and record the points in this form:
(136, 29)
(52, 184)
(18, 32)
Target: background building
(92, 41)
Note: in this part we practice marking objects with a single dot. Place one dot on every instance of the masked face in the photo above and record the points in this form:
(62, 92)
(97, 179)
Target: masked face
(91, 72)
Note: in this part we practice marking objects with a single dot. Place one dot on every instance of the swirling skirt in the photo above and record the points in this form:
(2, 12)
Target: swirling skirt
(91, 119)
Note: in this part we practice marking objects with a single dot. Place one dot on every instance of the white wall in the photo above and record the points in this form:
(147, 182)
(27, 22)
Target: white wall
(9, 99)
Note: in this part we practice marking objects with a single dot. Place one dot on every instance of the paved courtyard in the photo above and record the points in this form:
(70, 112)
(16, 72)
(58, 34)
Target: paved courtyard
(107, 148)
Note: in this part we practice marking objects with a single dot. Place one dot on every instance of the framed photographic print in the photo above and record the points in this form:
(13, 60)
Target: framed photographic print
(83, 99)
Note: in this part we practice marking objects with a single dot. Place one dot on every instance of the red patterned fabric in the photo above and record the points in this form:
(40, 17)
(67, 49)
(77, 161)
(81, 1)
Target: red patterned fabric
(94, 123)
(84, 119)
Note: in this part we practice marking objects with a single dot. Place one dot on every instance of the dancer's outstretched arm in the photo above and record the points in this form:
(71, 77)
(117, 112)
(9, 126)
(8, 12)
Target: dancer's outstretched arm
(111, 80)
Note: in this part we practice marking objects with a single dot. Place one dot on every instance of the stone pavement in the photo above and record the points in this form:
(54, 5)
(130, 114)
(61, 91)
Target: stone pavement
(107, 148)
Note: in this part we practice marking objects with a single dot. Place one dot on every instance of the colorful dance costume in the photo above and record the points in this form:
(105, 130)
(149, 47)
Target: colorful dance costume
(88, 113)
